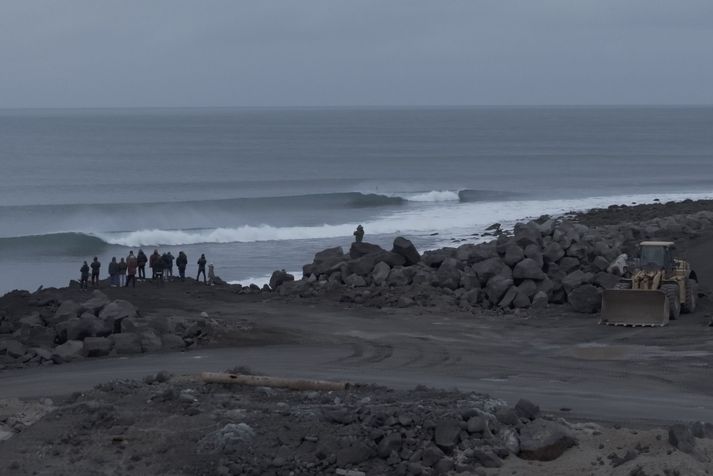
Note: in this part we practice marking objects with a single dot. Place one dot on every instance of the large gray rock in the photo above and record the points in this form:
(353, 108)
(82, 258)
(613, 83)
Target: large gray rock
(434, 258)
(527, 234)
(568, 264)
(448, 274)
(446, 433)
(97, 346)
(354, 281)
(114, 312)
(586, 299)
(95, 303)
(150, 342)
(469, 280)
(172, 342)
(14, 349)
(70, 350)
(513, 255)
(491, 267)
(279, 277)
(535, 252)
(606, 280)
(472, 297)
(88, 325)
(540, 300)
(544, 440)
(521, 299)
(126, 343)
(528, 287)
(389, 443)
(680, 436)
(358, 250)
(508, 298)
(471, 253)
(31, 320)
(324, 261)
(39, 337)
(528, 269)
(573, 280)
(380, 273)
(405, 248)
(65, 311)
(497, 287)
(553, 252)
(398, 277)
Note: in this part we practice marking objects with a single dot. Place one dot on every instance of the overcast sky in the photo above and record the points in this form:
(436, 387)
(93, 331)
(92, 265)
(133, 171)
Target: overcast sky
(95, 53)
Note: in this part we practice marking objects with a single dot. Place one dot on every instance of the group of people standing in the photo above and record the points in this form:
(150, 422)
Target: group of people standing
(127, 271)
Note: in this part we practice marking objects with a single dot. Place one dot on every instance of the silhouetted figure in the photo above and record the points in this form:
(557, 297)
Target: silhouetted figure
(158, 270)
(141, 261)
(132, 264)
(182, 262)
(359, 234)
(201, 269)
(155, 257)
(122, 272)
(96, 266)
(84, 280)
(113, 272)
(169, 264)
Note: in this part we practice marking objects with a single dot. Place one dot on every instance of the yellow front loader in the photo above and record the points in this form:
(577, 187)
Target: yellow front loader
(656, 289)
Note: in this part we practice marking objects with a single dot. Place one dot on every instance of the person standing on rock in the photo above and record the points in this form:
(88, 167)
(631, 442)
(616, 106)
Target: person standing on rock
(113, 272)
(96, 266)
(157, 269)
(201, 269)
(131, 265)
(169, 264)
(359, 234)
(122, 272)
(155, 257)
(182, 262)
(84, 280)
(141, 261)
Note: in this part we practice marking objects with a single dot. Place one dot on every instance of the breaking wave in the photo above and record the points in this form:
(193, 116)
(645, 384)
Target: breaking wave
(445, 219)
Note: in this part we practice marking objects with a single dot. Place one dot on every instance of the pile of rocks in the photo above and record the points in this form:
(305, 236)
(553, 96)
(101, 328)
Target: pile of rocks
(540, 262)
(58, 332)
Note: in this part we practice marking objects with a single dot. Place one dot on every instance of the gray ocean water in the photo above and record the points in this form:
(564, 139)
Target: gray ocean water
(261, 189)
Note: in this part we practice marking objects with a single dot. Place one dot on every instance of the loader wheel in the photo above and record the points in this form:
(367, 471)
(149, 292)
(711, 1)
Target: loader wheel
(691, 297)
(674, 301)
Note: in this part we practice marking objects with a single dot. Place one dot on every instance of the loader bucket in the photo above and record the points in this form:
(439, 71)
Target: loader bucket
(634, 308)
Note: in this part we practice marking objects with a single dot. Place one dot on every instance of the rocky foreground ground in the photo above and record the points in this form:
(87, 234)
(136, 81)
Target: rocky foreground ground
(174, 425)
(180, 425)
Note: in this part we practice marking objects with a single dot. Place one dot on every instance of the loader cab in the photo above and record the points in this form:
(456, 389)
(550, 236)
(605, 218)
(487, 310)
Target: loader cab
(656, 255)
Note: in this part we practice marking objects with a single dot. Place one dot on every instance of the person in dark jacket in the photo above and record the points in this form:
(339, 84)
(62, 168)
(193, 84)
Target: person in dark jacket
(84, 281)
(155, 257)
(122, 272)
(201, 269)
(113, 272)
(169, 264)
(96, 266)
(141, 261)
(132, 264)
(165, 263)
(157, 269)
(182, 262)
(359, 234)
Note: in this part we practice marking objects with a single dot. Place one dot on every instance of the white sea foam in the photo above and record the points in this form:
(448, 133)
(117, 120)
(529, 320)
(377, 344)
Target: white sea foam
(433, 196)
(446, 219)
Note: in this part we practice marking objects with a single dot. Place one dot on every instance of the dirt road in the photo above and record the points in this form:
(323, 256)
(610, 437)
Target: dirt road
(560, 360)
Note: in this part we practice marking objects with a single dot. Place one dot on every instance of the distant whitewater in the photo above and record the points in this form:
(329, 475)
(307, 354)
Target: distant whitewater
(257, 190)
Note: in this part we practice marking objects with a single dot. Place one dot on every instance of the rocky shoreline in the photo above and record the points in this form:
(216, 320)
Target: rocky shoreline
(548, 261)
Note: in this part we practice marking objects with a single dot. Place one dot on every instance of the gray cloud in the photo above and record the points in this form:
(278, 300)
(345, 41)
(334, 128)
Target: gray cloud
(89, 53)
